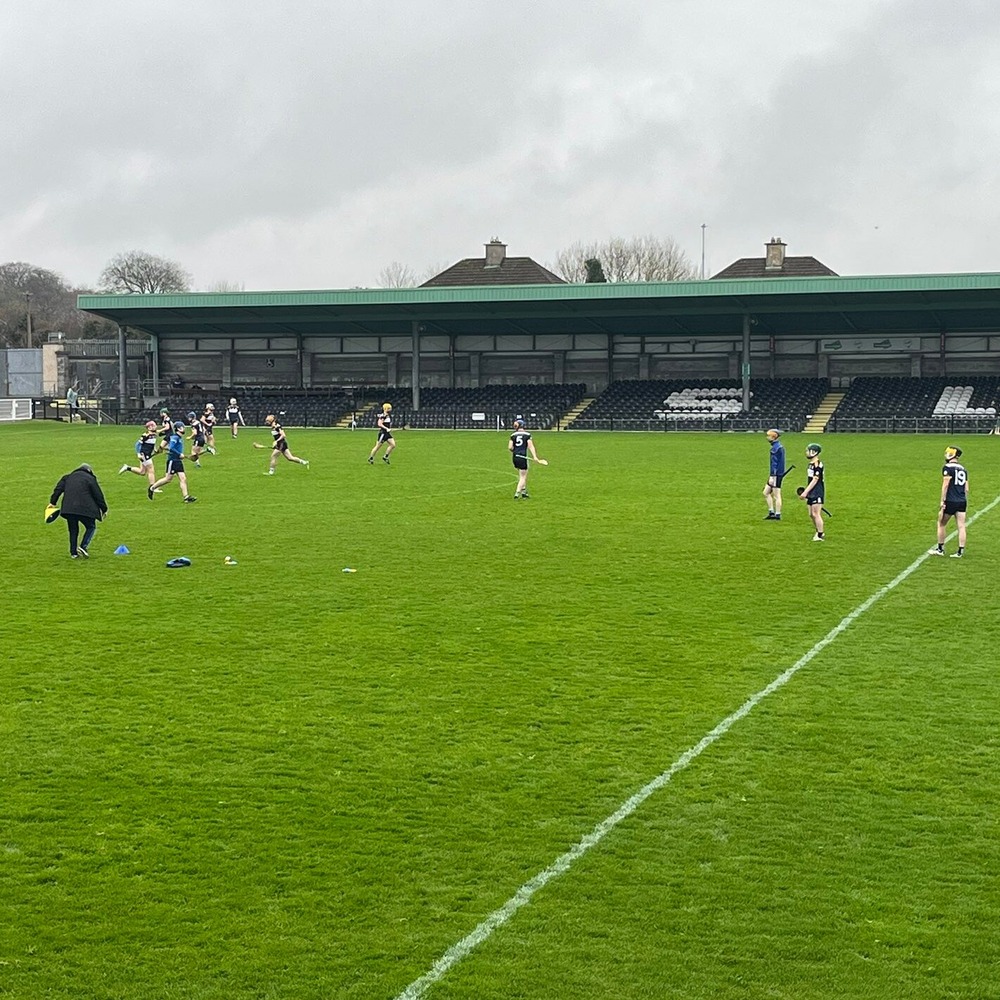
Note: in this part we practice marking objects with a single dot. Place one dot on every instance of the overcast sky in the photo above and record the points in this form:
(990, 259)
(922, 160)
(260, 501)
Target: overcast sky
(309, 144)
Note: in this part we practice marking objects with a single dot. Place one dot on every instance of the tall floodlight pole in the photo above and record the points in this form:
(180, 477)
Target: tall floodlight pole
(704, 226)
(27, 301)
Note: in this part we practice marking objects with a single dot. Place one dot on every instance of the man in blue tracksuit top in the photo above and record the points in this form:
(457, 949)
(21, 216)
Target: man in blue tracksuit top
(772, 491)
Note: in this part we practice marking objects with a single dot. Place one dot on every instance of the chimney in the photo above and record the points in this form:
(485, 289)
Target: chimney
(496, 252)
(774, 255)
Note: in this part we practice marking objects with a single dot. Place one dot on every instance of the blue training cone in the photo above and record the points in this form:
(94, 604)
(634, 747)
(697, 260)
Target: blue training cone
(122, 550)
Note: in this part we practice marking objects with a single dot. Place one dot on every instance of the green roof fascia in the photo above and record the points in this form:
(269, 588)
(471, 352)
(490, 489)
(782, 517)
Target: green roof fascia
(712, 288)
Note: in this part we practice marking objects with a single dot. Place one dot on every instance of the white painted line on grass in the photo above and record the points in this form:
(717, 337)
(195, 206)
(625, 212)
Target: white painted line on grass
(498, 918)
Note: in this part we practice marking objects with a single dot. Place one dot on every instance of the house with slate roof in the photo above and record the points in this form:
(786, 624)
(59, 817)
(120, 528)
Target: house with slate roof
(495, 268)
(774, 264)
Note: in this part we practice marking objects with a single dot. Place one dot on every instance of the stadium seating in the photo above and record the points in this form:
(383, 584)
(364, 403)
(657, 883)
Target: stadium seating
(718, 405)
(541, 405)
(936, 403)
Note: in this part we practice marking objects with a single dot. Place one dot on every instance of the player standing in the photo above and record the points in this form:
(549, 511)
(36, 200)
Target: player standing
(384, 435)
(519, 446)
(772, 491)
(815, 492)
(954, 501)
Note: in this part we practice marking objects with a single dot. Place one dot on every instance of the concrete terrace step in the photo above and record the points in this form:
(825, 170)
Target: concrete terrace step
(817, 423)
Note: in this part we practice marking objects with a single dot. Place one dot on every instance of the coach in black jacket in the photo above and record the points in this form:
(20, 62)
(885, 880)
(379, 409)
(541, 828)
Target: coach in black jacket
(82, 503)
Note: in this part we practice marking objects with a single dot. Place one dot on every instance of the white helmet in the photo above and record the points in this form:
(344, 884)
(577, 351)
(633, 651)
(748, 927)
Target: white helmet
(232, 402)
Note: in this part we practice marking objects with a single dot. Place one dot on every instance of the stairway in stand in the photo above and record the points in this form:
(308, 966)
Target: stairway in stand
(816, 424)
(568, 417)
(345, 421)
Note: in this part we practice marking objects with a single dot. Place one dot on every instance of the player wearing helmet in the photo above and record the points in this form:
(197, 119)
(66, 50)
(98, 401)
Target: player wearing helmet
(197, 436)
(519, 446)
(234, 418)
(954, 501)
(384, 435)
(175, 465)
(208, 421)
(145, 447)
(815, 491)
(772, 489)
(279, 444)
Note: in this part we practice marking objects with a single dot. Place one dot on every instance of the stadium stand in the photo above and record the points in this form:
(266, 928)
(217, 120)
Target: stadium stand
(541, 405)
(940, 403)
(297, 407)
(675, 404)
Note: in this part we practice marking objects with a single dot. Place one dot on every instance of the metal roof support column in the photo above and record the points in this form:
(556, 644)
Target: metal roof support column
(745, 365)
(415, 354)
(122, 372)
(154, 343)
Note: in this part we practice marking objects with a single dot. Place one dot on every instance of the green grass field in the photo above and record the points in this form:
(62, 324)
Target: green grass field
(280, 781)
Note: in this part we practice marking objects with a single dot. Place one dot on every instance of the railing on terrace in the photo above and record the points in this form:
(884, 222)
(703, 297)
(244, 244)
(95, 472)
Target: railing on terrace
(913, 425)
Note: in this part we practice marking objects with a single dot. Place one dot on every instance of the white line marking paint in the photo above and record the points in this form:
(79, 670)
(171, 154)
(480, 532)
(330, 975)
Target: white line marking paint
(419, 987)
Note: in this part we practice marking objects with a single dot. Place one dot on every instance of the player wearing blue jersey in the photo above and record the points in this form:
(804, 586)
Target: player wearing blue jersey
(772, 491)
(954, 501)
(175, 465)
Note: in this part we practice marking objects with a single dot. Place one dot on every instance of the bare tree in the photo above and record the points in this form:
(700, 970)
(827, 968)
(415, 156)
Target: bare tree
(397, 275)
(139, 272)
(227, 286)
(638, 258)
(26, 286)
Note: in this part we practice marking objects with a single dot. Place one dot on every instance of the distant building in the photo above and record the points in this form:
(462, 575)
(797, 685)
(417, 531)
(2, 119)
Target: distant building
(774, 264)
(495, 268)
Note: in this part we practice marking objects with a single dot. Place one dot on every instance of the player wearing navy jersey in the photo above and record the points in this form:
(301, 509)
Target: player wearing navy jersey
(145, 448)
(165, 429)
(234, 418)
(814, 493)
(954, 501)
(196, 437)
(279, 445)
(208, 421)
(384, 435)
(175, 465)
(520, 446)
(772, 490)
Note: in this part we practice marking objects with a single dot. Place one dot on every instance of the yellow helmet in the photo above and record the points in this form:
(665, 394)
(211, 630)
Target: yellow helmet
(386, 407)
(952, 452)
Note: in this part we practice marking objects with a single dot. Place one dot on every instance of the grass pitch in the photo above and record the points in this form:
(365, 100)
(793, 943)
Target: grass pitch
(280, 780)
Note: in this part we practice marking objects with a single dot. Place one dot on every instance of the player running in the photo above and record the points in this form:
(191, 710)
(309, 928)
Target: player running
(519, 445)
(175, 465)
(234, 418)
(197, 435)
(280, 444)
(954, 501)
(145, 448)
(815, 491)
(384, 435)
(208, 421)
